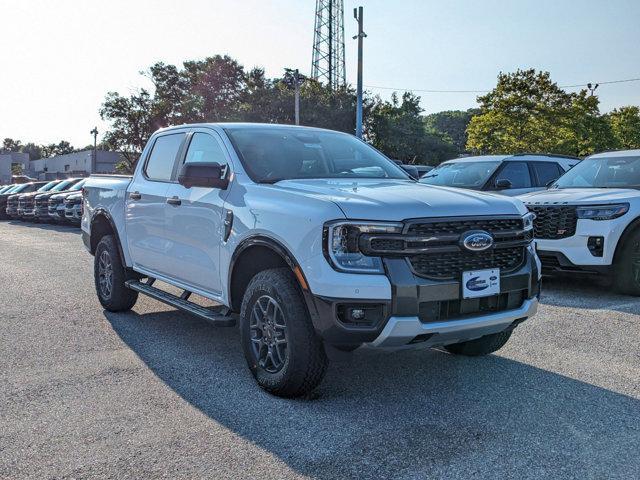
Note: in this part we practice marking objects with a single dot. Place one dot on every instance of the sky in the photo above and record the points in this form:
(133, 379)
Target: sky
(59, 58)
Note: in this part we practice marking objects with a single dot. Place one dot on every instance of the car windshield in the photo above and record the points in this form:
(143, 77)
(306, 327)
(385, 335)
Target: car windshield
(78, 186)
(461, 174)
(48, 186)
(6, 188)
(603, 172)
(62, 185)
(19, 188)
(271, 154)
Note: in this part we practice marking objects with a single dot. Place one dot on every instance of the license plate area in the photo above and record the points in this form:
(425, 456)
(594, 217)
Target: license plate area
(480, 283)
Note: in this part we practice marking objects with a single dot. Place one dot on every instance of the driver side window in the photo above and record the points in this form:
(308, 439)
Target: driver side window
(517, 173)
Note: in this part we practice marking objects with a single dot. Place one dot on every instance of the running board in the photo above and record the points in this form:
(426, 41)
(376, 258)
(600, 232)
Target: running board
(219, 316)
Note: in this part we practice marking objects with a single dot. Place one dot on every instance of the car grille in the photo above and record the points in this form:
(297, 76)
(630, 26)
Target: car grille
(452, 264)
(42, 202)
(12, 203)
(26, 203)
(554, 221)
(433, 249)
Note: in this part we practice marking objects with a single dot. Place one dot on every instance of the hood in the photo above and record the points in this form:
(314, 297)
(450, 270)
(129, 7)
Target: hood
(65, 194)
(580, 196)
(375, 199)
(28, 194)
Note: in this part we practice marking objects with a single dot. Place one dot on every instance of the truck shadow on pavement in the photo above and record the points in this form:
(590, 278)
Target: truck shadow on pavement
(409, 414)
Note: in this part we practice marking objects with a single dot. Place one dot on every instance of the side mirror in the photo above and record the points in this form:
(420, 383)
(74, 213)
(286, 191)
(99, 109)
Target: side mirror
(503, 184)
(411, 170)
(205, 174)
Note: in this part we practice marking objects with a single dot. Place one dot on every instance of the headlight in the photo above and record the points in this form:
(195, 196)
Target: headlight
(528, 219)
(342, 245)
(602, 212)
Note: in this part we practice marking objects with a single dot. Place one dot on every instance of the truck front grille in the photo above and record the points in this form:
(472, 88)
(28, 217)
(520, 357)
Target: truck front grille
(433, 248)
(554, 221)
(450, 265)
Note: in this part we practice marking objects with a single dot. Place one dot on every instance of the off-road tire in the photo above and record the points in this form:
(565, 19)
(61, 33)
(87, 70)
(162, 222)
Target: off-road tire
(480, 346)
(305, 361)
(119, 298)
(626, 268)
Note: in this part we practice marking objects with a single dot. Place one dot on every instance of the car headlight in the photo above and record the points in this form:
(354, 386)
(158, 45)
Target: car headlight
(602, 212)
(528, 219)
(342, 245)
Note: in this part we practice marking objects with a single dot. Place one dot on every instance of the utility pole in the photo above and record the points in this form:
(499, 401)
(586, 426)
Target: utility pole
(296, 79)
(94, 159)
(357, 14)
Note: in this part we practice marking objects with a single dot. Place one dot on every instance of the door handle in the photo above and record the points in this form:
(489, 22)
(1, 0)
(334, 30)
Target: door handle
(135, 195)
(174, 201)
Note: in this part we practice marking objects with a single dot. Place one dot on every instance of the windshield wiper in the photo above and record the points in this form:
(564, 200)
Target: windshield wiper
(430, 175)
(271, 181)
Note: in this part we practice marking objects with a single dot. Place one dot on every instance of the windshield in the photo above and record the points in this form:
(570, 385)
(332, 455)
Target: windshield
(78, 186)
(19, 188)
(48, 186)
(270, 154)
(461, 174)
(603, 172)
(62, 185)
(6, 188)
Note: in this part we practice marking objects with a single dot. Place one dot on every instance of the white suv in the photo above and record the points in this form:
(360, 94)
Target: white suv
(589, 219)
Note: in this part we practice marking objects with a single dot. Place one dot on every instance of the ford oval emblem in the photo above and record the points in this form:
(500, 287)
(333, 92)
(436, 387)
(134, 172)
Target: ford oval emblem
(477, 241)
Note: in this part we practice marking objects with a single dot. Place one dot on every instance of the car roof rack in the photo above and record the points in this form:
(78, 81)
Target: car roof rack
(554, 155)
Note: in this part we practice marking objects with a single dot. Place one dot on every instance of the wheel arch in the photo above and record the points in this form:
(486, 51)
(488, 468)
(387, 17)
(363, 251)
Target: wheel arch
(632, 227)
(253, 255)
(102, 224)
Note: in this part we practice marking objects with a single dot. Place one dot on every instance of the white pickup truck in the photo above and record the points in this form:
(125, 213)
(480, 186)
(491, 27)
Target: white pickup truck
(588, 221)
(314, 243)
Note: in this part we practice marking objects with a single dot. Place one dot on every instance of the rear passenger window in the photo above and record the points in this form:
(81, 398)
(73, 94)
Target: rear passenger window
(163, 157)
(517, 173)
(546, 172)
(205, 148)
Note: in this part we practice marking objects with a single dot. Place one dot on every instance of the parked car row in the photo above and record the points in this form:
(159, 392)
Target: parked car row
(58, 201)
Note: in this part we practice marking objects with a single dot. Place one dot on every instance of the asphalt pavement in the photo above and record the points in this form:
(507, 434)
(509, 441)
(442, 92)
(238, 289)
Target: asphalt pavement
(155, 393)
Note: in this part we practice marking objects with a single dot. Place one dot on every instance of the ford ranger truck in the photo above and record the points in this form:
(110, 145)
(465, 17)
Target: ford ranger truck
(313, 243)
(588, 221)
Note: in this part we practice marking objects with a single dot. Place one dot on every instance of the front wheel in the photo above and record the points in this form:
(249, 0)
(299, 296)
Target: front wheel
(283, 352)
(480, 346)
(627, 266)
(110, 276)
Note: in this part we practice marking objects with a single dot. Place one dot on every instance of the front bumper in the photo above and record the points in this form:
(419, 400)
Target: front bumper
(575, 250)
(414, 314)
(73, 214)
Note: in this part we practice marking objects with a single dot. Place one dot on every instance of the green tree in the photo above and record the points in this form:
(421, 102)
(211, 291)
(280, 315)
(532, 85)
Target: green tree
(526, 111)
(396, 128)
(131, 125)
(590, 131)
(34, 151)
(451, 126)
(625, 125)
(10, 145)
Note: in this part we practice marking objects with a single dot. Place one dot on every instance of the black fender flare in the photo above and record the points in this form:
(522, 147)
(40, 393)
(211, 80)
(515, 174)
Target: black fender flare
(285, 254)
(103, 212)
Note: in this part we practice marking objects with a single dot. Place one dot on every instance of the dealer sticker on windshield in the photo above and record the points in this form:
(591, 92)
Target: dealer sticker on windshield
(480, 283)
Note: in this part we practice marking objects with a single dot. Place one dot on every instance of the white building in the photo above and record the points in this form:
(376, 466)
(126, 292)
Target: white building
(77, 164)
(7, 160)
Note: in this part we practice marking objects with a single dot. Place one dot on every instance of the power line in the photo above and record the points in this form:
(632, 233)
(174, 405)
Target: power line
(485, 91)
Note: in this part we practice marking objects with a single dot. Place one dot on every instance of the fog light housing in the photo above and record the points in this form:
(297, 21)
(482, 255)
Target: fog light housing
(360, 315)
(596, 246)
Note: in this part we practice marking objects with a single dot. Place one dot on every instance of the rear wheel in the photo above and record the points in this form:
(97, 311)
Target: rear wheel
(110, 276)
(627, 266)
(480, 346)
(283, 352)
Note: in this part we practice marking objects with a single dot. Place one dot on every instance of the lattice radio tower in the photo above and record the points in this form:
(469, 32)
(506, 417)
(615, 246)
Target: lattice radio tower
(328, 44)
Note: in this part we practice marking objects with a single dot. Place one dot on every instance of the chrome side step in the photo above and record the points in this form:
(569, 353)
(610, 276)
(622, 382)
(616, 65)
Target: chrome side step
(219, 316)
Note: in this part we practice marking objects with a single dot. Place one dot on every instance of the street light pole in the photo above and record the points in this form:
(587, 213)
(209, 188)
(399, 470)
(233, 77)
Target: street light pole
(296, 79)
(357, 14)
(94, 159)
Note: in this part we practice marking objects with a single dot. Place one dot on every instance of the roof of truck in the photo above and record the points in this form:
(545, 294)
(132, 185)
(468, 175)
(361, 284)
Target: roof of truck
(617, 153)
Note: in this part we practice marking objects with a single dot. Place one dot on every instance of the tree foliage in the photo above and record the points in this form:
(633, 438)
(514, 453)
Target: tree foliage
(219, 89)
(625, 126)
(528, 112)
(451, 126)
